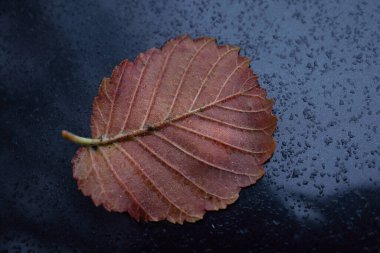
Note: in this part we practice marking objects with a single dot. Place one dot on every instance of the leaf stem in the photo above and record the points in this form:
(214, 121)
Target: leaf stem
(123, 136)
(79, 140)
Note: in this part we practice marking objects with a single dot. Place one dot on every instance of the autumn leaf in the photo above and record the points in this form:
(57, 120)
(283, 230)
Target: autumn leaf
(176, 133)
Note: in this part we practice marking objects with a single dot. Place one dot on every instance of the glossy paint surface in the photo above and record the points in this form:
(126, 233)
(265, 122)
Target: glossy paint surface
(319, 60)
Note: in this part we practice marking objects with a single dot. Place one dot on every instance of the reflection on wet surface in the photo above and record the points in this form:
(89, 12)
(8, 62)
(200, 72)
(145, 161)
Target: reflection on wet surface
(319, 61)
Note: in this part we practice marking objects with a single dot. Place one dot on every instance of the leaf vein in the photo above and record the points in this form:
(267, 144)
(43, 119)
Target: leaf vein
(218, 140)
(229, 77)
(233, 125)
(124, 186)
(158, 82)
(249, 78)
(205, 80)
(198, 158)
(135, 92)
(184, 74)
(147, 177)
(114, 97)
(165, 162)
(244, 111)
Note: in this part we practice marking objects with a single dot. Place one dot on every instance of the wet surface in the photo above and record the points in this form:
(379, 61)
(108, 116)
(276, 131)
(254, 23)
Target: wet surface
(319, 60)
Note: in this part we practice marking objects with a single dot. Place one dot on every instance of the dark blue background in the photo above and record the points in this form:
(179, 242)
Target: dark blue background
(318, 59)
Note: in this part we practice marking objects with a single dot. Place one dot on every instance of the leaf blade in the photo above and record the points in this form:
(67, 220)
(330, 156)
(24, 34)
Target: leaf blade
(194, 110)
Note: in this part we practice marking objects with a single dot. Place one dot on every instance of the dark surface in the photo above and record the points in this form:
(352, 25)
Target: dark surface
(318, 59)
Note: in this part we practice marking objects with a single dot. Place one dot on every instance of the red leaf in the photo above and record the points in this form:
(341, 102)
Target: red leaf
(176, 132)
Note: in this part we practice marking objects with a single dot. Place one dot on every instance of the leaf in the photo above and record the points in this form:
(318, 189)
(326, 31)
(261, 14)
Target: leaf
(175, 133)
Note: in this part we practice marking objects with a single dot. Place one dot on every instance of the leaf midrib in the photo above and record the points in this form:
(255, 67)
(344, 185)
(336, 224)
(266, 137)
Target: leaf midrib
(125, 136)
